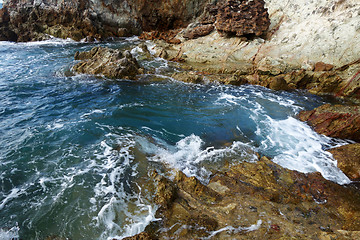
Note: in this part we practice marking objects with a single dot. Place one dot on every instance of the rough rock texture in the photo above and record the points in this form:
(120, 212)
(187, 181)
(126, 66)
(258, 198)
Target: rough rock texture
(242, 18)
(334, 121)
(140, 236)
(111, 63)
(301, 34)
(348, 159)
(29, 20)
(320, 66)
(336, 83)
(255, 201)
(167, 36)
(34, 20)
(199, 31)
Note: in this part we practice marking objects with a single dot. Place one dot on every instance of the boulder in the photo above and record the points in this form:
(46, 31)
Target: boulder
(255, 200)
(348, 160)
(111, 63)
(242, 18)
(337, 121)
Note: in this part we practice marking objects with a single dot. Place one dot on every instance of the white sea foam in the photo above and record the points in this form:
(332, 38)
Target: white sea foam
(291, 143)
(234, 230)
(298, 147)
(93, 112)
(188, 155)
(124, 213)
(15, 192)
(10, 234)
(51, 41)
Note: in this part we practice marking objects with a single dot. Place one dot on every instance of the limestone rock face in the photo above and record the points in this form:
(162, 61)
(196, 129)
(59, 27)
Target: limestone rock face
(301, 33)
(111, 63)
(257, 200)
(242, 18)
(334, 121)
(348, 159)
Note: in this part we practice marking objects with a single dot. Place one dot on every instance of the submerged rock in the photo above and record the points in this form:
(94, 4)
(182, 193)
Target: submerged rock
(348, 160)
(111, 63)
(253, 201)
(334, 121)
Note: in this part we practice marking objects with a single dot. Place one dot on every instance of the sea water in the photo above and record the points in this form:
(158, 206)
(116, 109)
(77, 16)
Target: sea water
(77, 151)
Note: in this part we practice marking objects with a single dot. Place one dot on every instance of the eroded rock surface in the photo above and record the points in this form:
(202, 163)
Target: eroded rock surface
(337, 121)
(29, 20)
(242, 18)
(348, 160)
(301, 34)
(255, 201)
(35, 20)
(111, 63)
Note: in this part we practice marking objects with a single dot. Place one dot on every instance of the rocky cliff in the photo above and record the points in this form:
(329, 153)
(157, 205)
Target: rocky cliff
(301, 33)
(28, 20)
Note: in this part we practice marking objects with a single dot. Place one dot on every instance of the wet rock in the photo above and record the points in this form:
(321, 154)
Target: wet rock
(278, 83)
(254, 200)
(334, 121)
(242, 18)
(190, 77)
(165, 191)
(320, 66)
(352, 84)
(111, 63)
(140, 236)
(199, 31)
(348, 160)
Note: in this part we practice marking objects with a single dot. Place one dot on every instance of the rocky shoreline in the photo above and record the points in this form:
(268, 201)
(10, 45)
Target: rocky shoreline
(268, 43)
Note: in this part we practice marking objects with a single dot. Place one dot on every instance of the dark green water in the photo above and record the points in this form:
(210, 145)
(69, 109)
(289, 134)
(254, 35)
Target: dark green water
(75, 150)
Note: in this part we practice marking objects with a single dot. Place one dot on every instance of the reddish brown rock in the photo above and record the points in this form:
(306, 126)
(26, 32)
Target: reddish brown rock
(95, 20)
(167, 36)
(209, 14)
(320, 66)
(348, 160)
(334, 121)
(257, 200)
(242, 18)
(199, 31)
(140, 236)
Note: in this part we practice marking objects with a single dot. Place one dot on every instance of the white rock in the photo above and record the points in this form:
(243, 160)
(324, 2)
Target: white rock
(308, 31)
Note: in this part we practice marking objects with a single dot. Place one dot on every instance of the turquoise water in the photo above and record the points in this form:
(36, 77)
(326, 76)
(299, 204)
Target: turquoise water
(76, 151)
